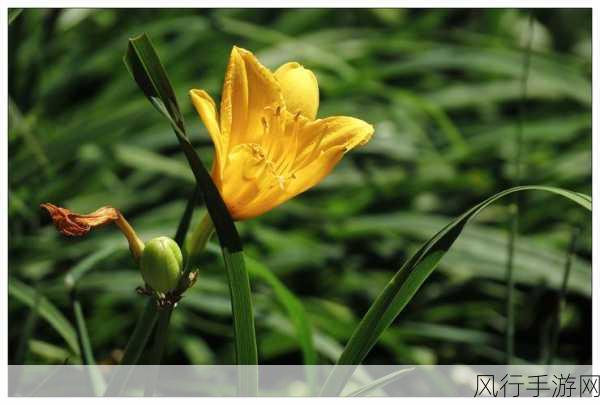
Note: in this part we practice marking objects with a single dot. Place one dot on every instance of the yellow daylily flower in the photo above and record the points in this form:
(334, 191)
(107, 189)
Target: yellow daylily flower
(269, 146)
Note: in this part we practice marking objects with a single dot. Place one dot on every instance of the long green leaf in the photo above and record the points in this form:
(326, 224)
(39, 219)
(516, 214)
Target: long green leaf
(143, 62)
(378, 383)
(27, 331)
(293, 307)
(145, 67)
(46, 310)
(86, 264)
(406, 282)
(98, 384)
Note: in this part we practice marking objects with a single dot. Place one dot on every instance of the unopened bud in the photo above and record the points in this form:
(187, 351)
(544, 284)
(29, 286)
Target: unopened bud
(300, 89)
(161, 264)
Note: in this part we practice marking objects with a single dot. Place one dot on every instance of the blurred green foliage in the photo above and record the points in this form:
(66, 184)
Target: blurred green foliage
(442, 88)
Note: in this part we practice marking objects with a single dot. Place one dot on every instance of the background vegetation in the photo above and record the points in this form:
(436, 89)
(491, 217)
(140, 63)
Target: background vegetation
(443, 89)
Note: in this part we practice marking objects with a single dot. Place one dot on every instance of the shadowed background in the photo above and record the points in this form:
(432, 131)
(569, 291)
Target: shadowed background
(443, 90)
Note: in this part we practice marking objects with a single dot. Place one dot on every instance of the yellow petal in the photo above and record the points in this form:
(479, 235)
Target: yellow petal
(277, 194)
(324, 144)
(248, 175)
(300, 89)
(330, 139)
(234, 98)
(320, 136)
(249, 88)
(312, 174)
(206, 108)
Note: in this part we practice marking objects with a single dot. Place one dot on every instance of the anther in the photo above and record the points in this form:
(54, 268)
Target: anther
(281, 181)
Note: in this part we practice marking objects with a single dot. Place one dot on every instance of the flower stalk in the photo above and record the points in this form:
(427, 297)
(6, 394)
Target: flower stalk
(197, 240)
(136, 246)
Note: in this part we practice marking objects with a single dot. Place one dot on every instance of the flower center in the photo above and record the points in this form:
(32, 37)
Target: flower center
(279, 144)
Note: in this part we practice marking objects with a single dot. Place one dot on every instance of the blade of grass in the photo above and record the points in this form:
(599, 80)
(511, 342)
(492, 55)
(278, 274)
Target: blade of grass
(379, 383)
(28, 327)
(85, 347)
(24, 342)
(555, 332)
(297, 314)
(406, 282)
(23, 128)
(514, 223)
(293, 306)
(46, 310)
(87, 264)
(144, 65)
(45, 381)
(48, 352)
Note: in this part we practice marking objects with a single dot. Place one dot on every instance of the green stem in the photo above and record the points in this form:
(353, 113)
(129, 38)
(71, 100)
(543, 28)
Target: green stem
(141, 333)
(184, 222)
(85, 346)
(158, 348)
(160, 339)
(194, 244)
(199, 237)
(134, 348)
(244, 335)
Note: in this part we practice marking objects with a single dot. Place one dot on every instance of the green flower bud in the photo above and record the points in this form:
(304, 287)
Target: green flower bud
(161, 264)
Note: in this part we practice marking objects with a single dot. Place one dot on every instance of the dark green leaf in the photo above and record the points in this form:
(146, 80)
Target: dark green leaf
(143, 62)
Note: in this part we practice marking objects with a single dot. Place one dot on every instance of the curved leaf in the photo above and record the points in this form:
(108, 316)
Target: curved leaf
(293, 307)
(46, 310)
(406, 282)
